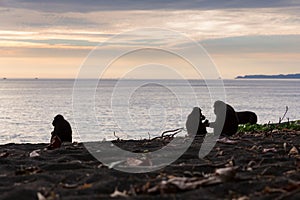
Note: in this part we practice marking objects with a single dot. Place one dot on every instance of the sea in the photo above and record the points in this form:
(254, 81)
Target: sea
(132, 109)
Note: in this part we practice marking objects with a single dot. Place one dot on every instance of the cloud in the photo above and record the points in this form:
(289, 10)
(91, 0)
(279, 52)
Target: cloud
(284, 44)
(63, 42)
(104, 5)
(232, 31)
(200, 25)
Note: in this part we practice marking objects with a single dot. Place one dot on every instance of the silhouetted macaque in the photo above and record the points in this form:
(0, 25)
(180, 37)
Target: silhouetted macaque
(246, 117)
(226, 119)
(62, 132)
(194, 123)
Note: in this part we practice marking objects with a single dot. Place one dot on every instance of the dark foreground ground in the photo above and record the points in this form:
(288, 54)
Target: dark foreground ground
(257, 166)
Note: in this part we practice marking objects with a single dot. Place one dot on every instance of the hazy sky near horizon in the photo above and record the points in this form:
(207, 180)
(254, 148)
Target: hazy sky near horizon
(51, 39)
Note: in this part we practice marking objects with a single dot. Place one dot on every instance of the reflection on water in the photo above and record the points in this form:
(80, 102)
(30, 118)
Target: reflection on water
(28, 106)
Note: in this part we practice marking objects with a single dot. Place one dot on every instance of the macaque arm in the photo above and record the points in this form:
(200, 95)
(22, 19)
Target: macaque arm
(212, 124)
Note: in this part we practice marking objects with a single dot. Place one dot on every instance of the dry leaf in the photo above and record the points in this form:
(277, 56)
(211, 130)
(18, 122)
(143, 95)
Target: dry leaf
(284, 146)
(269, 150)
(271, 190)
(147, 162)
(4, 155)
(220, 153)
(50, 196)
(85, 186)
(184, 183)
(146, 186)
(113, 164)
(69, 186)
(251, 163)
(227, 173)
(34, 153)
(292, 186)
(225, 140)
(243, 198)
(117, 193)
(294, 151)
(286, 129)
(134, 162)
(40, 196)
(254, 147)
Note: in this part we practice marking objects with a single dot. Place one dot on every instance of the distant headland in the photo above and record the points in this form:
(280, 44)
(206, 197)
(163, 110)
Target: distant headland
(280, 76)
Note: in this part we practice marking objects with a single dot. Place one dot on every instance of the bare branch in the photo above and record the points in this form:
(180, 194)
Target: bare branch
(116, 136)
(286, 110)
(174, 130)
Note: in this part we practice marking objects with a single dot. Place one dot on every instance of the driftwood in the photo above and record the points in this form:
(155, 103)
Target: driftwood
(173, 133)
(163, 135)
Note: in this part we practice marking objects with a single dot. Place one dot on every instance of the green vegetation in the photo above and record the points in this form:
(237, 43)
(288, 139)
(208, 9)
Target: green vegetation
(294, 126)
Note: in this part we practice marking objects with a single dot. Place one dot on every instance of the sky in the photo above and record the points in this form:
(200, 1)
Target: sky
(54, 39)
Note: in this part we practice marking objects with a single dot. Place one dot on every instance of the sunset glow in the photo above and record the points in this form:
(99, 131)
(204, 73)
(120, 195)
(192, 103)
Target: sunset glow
(36, 41)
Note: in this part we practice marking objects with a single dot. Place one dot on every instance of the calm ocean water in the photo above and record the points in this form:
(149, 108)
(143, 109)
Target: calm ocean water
(28, 107)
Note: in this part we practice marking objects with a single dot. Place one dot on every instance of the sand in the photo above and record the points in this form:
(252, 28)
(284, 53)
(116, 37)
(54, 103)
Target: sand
(248, 166)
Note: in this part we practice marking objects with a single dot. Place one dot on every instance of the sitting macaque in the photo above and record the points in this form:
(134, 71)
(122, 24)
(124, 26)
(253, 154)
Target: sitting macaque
(195, 124)
(246, 117)
(62, 132)
(226, 119)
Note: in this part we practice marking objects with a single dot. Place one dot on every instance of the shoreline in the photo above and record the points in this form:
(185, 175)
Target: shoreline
(261, 165)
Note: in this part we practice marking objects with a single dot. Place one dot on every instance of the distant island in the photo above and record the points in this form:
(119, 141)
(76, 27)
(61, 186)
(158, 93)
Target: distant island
(280, 76)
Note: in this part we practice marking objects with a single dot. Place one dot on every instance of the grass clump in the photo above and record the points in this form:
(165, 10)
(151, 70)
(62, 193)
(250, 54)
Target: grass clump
(293, 126)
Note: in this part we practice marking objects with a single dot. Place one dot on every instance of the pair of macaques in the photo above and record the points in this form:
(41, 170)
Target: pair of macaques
(227, 120)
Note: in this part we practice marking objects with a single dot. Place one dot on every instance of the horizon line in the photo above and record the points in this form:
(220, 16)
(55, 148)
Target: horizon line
(36, 78)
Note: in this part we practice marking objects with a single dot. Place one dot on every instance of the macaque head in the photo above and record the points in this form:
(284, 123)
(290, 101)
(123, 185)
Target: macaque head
(57, 119)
